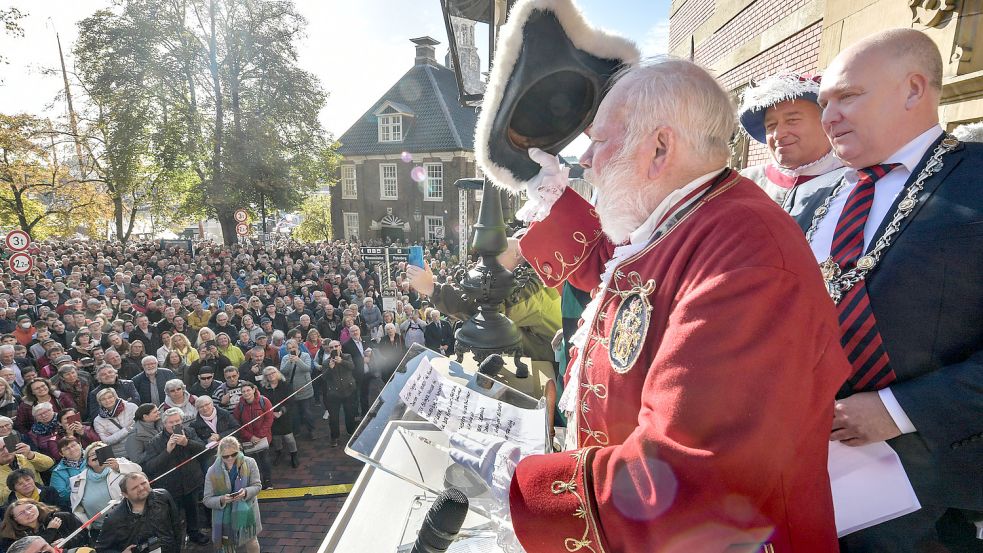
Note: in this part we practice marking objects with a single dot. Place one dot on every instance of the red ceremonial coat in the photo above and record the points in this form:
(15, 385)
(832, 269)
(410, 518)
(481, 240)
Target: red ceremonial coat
(715, 438)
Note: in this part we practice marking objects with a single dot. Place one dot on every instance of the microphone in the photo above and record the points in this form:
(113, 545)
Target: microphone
(443, 522)
(491, 365)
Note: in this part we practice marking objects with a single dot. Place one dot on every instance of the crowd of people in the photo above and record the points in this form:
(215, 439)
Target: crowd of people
(186, 382)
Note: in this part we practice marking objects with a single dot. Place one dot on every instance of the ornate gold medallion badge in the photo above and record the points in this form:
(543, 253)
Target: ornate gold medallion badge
(628, 332)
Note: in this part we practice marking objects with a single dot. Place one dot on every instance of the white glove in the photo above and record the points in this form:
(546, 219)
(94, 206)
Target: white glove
(492, 459)
(545, 188)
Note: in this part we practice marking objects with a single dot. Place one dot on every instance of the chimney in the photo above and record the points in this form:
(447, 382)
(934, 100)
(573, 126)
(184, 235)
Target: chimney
(425, 54)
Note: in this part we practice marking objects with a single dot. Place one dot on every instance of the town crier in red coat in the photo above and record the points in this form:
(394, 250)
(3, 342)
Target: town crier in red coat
(702, 388)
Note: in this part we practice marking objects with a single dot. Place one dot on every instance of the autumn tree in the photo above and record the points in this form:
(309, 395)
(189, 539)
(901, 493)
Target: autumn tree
(40, 194)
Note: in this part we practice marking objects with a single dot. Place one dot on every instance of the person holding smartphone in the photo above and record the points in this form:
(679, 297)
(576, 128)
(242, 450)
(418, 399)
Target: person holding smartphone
(231, 487)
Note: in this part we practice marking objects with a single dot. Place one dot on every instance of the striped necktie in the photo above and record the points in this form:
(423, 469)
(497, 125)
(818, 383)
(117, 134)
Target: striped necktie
(860, 337)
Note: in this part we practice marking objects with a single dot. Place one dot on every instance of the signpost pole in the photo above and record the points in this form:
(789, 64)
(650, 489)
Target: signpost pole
(388, 272)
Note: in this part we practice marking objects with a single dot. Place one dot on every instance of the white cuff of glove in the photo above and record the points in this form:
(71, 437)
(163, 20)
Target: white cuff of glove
(545, 188)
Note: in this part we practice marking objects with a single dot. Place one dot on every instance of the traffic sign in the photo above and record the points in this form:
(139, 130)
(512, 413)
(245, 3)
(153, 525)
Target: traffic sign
(372, 254)
(20, 263)
(17, 240)
(240, 215)
(242, 229)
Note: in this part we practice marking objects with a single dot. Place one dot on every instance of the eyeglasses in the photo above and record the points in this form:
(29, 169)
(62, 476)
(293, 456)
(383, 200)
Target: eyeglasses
(230, 455)
(23, 511)
(204, 377)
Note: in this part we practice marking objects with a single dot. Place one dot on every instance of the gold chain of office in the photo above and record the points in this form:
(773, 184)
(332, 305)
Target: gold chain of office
(839, 282)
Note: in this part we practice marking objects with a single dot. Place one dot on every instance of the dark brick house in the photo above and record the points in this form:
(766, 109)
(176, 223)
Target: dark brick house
(402, 157)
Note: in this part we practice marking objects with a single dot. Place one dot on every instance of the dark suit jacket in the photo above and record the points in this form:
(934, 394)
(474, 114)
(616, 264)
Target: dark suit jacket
(358, 359)
(927, 296)
(151, 343)
(142, 383)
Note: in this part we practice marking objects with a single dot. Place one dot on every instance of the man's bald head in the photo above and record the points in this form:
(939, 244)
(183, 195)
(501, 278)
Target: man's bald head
(906, 50)
(880, 94)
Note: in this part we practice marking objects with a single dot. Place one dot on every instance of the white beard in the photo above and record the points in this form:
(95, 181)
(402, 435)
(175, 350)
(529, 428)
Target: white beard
(622, 202)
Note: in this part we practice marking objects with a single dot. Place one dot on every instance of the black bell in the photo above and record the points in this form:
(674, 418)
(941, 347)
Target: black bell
(551, 72)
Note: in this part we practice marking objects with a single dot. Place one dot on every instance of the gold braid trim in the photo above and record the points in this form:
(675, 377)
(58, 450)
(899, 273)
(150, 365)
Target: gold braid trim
(568, 267)
(584, 509)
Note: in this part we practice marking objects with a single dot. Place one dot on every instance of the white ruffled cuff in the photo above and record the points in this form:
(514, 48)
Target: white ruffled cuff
(543, 191)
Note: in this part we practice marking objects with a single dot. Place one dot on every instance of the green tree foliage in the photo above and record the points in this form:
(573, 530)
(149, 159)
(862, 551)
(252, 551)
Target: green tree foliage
(214, 93)
(132, 135)
(316, 223)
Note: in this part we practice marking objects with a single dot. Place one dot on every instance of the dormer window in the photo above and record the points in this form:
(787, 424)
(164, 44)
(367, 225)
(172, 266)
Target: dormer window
(392, 118)
(390, 128)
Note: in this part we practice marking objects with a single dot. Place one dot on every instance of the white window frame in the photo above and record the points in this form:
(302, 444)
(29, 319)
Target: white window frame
(435, 182)
(349, 183)
(391, 127)
(350, 224)
(428, 227)
(391, 181)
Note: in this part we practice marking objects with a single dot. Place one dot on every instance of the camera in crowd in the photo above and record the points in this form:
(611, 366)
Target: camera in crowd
(152, 545)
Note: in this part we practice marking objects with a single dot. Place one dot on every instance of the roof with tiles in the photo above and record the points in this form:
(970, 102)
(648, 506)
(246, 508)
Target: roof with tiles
(436, 122)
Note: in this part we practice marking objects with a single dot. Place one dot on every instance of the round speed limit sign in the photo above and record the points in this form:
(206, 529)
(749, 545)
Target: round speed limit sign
(20, 263)
(17, 240)
(240, 216)
(242, 229)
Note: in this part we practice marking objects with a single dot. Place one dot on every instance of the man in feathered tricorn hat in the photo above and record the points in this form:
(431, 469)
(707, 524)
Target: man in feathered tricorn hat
(781, 112)
(700, 392)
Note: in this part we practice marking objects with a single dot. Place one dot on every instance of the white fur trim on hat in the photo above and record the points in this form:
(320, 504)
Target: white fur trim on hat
(970, 132)
(776, 88)
(589, 39)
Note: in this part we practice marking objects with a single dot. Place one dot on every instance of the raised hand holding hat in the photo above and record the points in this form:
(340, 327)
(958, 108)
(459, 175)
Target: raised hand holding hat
(545, 188)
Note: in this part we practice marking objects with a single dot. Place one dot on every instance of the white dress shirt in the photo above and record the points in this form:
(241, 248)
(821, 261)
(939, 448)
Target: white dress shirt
(886, 190)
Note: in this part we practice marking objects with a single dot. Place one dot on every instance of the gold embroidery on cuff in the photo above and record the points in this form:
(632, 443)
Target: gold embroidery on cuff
(583, 510)
(567, 267)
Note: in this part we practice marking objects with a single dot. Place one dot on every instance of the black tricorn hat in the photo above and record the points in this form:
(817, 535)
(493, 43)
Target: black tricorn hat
(550, 73)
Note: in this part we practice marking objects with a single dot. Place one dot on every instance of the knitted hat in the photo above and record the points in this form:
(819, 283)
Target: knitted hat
(763, 94)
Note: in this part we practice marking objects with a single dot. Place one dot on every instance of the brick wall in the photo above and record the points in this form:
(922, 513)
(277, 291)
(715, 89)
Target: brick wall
(747, 24)
(687, 19)
(800, 52)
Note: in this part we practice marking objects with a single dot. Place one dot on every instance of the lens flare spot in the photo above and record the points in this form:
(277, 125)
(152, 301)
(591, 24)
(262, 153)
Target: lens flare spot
(406, 157)
(419, 174)
(644, 488)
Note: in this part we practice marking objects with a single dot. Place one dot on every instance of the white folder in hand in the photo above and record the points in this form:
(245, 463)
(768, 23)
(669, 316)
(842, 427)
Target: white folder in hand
(869, 486)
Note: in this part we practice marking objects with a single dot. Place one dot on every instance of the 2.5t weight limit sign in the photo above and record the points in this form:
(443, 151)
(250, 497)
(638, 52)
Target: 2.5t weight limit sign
(17, 240)
(20, 263)
(242, 229)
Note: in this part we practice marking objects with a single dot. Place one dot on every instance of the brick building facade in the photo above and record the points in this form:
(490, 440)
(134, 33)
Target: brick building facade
(741, 40)
(402, 158)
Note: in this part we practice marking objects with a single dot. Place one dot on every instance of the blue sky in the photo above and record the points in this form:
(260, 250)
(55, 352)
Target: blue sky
(358, 48)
